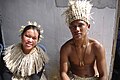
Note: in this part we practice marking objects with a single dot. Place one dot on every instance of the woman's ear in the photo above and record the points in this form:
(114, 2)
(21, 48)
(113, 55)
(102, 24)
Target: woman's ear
(88, 26)
(21, 37)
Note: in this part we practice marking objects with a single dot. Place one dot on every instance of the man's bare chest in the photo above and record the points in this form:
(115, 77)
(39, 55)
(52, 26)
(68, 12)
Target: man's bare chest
(88, 57)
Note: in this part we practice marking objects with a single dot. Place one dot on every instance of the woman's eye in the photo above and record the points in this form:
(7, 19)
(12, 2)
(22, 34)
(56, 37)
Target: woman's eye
(26, 35)
(34, 38)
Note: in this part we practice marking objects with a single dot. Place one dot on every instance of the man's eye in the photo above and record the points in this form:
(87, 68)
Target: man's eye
(80, 25)
(72, 26)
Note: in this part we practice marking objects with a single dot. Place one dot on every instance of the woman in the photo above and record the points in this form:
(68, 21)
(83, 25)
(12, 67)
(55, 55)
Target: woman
(25, 60)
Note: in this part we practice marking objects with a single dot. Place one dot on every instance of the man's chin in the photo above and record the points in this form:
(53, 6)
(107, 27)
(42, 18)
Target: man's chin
(77, 37)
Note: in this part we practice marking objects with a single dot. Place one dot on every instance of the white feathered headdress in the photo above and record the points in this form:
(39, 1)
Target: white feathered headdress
(78, 9)
(35, 24)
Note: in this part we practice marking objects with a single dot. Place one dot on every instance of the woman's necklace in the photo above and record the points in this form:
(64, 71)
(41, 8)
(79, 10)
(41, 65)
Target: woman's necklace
(81, 59)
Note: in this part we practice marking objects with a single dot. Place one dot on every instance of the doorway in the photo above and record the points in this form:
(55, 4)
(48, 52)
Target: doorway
(116, 65)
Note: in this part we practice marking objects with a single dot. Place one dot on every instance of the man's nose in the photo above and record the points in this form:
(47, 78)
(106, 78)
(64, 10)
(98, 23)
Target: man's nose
(77, 28)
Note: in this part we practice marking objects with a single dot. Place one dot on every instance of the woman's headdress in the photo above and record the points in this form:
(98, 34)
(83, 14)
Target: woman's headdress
(78, 9)
(34, 24)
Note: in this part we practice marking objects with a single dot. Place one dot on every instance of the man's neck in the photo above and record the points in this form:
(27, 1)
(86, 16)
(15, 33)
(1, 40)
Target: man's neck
(81, 42)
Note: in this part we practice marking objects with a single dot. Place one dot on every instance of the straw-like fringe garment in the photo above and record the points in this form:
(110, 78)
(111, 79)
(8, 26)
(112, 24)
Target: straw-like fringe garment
(24, 65)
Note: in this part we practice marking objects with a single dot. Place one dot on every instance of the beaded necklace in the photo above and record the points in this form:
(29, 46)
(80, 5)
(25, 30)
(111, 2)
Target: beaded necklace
(81, 59)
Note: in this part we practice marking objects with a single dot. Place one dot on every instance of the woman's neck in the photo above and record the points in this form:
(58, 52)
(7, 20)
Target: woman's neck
(24, 50)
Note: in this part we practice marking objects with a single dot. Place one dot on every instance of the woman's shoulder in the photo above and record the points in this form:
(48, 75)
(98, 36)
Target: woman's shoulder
(12, 46)
(43, 54)
(42, 47)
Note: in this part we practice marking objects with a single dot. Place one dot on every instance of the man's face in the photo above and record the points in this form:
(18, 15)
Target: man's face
(79, 29)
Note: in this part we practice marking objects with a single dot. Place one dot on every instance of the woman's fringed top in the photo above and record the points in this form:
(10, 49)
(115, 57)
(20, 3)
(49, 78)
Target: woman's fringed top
(24, 65)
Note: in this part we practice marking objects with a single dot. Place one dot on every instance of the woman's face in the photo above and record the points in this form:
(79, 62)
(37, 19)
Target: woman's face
(29, 40)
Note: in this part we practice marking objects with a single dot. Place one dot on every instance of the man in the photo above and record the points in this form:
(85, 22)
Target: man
(82, 52)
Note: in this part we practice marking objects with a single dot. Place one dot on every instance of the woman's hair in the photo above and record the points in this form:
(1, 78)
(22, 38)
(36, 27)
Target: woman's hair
(31, 27)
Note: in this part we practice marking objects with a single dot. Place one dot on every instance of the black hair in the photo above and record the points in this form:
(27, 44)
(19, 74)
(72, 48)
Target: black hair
(31, 27)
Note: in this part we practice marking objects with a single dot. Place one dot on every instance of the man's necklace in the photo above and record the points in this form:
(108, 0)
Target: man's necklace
(81, 59)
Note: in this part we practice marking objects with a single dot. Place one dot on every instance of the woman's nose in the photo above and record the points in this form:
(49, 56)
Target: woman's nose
(30, 39)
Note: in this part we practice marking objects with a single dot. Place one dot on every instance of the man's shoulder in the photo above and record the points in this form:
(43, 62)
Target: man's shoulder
(66, 47)
(95, 43)
(68, 43)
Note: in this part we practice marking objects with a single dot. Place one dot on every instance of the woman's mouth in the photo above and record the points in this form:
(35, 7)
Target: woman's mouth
(28, 44)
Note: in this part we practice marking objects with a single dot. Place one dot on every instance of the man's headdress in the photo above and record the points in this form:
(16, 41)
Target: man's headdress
(78, 9)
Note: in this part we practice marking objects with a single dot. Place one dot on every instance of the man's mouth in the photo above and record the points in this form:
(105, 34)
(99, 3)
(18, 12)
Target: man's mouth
(78, 33)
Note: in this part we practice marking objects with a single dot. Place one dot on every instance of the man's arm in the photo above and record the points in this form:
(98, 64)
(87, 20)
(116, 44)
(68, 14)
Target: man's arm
(101, 62)
(63, 63)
